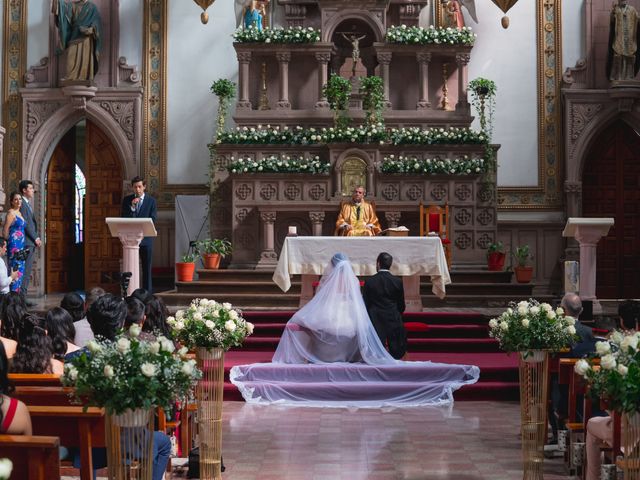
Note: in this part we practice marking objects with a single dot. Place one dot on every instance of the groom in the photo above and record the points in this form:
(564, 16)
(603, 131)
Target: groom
(384, 297)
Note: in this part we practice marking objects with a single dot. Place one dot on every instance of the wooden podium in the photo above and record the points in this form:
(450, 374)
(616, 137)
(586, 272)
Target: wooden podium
(131, 231)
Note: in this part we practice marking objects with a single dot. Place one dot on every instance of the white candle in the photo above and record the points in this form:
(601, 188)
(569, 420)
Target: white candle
(293, 230)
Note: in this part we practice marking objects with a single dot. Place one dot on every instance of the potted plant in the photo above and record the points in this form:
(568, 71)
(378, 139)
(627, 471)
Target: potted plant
(186, 267)
(495, 256)
(523, 271)
(213, 250)
(483, 93)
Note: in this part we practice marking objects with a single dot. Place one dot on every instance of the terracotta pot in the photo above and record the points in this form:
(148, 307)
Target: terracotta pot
(184, 271)
(523, 274)
(211, 260)
(495, 261)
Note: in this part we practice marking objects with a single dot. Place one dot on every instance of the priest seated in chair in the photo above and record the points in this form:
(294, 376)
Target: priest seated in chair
(357, 218)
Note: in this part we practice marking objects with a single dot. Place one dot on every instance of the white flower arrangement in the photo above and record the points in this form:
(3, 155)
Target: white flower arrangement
(618, 378)
(279, 164)
(430, 35)
(432, 166)
(6, 466)
(130, 373)
(530, 325)
(277, 35)
(209, 324)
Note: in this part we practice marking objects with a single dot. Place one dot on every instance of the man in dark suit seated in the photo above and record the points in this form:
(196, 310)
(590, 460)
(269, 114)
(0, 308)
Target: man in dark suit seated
(141, 205)
(384, 297)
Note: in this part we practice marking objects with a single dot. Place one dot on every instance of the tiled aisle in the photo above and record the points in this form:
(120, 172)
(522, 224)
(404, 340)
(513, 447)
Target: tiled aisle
(469, 441)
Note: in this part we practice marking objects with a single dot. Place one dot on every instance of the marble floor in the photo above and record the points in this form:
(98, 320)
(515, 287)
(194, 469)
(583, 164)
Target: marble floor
(467, 441)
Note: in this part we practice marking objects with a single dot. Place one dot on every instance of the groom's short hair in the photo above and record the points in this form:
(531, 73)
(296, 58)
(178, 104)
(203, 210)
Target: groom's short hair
(384, 261)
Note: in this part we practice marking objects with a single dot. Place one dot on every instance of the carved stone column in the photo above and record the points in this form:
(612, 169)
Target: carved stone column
(323, 76)
(268, 257)
(283, 61)
(462, 59)
(393, 218)
(423, 73)
(317, 218)
(385, 60)
(243, 103)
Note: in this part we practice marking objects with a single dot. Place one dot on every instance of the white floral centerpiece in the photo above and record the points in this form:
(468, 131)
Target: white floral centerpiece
(618, 378)
(277, 35)
(130, 374)
(280, 164)
(209, 324)
(411, 35)
(530, 325)
(6, 466)
(432, 166)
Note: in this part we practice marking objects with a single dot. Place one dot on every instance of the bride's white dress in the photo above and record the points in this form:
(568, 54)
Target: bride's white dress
(330, 355)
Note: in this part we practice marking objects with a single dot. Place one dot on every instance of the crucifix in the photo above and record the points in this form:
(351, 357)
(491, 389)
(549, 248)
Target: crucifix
(355, 53)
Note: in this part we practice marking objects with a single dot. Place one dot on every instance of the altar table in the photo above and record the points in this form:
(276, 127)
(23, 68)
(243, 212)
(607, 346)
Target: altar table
(412, 257)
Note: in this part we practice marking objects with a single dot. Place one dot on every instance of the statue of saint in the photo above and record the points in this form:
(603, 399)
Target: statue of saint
(253, 16)
(452, 13)
(357, 218)
(623, 60)
(355, 52)
(79, 30)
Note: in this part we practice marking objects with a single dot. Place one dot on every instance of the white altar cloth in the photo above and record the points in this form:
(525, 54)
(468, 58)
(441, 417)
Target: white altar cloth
(411, 256)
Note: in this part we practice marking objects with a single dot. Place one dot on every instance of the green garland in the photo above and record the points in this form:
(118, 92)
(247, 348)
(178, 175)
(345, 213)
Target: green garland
(280, 164)
(225, 90)
(430, 36)
(432, 166)
(277, 35)
(372, 89)
(337, 91)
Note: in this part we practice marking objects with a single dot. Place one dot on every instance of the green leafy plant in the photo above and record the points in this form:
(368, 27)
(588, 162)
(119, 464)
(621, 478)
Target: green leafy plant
(522, 255)
(618, 378)
(337, 91)
(497, 247)
(483, 97)
(372, 89)
(225, 90)
(189, 257)
(209, 324)
(530, 325)
(130, 373)
(211, 246)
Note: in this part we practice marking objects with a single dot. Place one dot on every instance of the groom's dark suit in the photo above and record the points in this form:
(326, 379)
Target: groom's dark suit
(30, 236)
(384, 297)
(147, 209)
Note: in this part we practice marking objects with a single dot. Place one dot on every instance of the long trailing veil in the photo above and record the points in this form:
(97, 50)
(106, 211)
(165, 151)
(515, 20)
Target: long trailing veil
(330, 356)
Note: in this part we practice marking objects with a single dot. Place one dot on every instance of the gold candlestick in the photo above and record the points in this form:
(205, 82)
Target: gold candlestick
(445, 90)
(263, 103)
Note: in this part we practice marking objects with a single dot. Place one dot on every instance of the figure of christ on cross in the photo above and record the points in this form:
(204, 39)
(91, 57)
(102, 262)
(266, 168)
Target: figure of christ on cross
(355, 53)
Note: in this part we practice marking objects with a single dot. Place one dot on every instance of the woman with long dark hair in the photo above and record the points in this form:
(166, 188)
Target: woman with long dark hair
(59, 325)
(14, 415)
(12, 311)
(13, 231)
(34, 353)
(157, 313)
(73, 303)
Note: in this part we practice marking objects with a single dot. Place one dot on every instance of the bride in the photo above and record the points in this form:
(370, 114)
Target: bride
(334, 326)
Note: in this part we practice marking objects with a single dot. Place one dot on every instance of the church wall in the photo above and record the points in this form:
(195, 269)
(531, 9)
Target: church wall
(131, 11)
(573, 32)
(37, 31)
(301, 72)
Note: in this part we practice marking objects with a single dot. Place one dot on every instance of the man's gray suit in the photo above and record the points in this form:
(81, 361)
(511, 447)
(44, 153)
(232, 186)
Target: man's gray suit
(30, 236)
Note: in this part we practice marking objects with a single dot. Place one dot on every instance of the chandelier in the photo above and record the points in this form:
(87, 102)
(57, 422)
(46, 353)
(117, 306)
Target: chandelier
(505, 5)
(204, 4)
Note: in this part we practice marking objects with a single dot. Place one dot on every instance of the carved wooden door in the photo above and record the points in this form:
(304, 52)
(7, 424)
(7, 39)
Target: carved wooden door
(102, 252)
(60, 215)
(611, 188)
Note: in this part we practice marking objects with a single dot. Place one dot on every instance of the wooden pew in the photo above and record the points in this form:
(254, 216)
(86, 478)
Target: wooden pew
(34, 379)
(75, 427)
(33, 457)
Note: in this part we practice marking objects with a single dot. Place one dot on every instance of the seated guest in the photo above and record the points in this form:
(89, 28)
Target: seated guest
(34, 353)
(14, 415)
(60, 328)
(135, 315)
(156, 313)
(572, 305)
(142, 295)
(5, 278)
(13, 309)
(8, 344)
(600, 429)
(94, 294)
(357, 218)
(74, 303)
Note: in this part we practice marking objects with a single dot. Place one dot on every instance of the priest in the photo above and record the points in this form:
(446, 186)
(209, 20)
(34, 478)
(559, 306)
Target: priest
(357, 218)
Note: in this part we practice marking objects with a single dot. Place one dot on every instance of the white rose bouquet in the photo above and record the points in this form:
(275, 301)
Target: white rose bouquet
(209, 324)
(530, 325)
(618, 378)
(6, 466)
(130, 373)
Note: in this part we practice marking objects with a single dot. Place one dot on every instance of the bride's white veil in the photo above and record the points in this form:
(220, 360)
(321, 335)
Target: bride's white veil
(334, 326)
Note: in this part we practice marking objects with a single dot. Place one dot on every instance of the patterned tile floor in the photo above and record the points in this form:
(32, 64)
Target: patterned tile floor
(468, 441)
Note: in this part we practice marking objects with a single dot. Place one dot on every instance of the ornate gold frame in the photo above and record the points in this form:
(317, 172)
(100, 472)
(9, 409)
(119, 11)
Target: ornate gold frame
(546, 196)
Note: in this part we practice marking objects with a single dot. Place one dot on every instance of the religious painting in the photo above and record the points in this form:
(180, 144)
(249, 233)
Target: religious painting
(353, 174)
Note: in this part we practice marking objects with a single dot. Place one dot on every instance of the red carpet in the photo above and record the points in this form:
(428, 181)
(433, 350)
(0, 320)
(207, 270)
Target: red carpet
(449, 338)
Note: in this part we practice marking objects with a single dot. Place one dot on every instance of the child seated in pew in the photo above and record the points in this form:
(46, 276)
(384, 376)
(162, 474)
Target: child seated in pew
(34, 353)
(14, 415)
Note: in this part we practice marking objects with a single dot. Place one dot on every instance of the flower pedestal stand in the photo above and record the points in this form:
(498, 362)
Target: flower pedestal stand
(209, 402)
(631, 445)
(129, 438)
(533, 410)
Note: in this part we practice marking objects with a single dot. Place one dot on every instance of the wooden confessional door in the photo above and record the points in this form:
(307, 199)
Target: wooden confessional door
(611, 188)
(103, 170)
(60, 215)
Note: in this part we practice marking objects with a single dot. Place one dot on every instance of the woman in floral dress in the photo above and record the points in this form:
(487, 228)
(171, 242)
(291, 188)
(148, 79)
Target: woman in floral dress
(14, 233)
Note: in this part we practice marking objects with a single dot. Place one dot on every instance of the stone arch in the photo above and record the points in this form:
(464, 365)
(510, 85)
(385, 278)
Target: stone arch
(350, 154)
(41, 147)
(373, 21)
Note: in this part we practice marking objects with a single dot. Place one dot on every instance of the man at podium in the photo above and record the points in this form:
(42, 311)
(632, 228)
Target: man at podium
(141, 205)
(357, 217)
